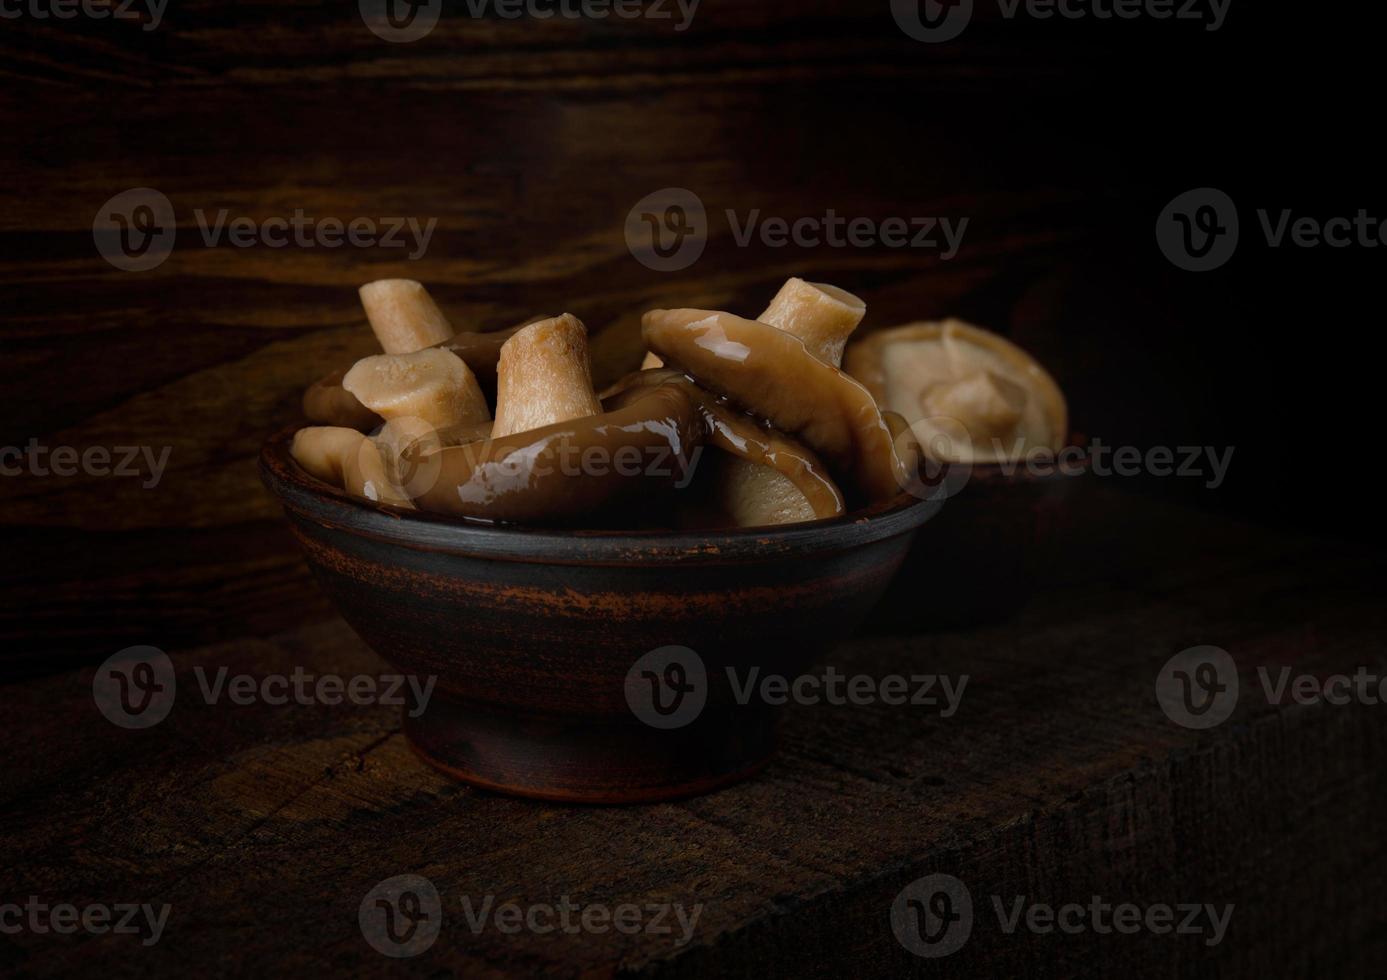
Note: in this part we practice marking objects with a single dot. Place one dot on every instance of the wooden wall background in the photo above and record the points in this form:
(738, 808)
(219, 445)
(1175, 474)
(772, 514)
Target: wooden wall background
(529, 141)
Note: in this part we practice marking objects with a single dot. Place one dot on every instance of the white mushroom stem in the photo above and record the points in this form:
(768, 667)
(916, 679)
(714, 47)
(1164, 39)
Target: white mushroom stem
(432, 385)
(821, 315)
(403, 315)
(347, 459)
(543, 377)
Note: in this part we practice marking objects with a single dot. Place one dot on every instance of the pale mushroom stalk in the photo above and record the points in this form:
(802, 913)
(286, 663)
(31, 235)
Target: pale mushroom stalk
(821, 315)
(543, 377)
(349, 460)
(428, 399)
(403, 315)
(432, 385)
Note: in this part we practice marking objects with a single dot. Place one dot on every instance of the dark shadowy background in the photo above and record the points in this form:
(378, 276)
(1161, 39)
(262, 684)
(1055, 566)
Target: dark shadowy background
(530, 140)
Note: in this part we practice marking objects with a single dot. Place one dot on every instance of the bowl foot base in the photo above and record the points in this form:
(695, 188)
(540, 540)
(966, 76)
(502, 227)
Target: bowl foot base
(575, 760)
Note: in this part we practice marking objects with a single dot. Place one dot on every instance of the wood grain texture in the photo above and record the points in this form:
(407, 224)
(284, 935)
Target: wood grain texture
(528, 141)
(1059, 778)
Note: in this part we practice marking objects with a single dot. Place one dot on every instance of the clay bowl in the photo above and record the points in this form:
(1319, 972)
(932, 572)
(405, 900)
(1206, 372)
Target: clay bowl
(996, 542)
(590, 666)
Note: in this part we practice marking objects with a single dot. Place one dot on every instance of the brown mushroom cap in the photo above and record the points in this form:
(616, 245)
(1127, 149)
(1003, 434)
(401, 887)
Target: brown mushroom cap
(326, 402)
(567, 470)
(997, 401)
(743, 438)
(773, 375)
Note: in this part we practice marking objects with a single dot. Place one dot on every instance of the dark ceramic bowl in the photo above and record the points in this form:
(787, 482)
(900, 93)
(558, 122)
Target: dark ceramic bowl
(552, 648)
(996, 541)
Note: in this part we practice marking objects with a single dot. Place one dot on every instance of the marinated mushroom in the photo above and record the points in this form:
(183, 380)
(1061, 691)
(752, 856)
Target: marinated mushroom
(403, 315)
(328, 403)
(348, 460)
(786, 427)
(543, 376)
(773, 375)
(429, 399)
(480, 351)
(428, 384)
(802, 489)
(569, 469)
(822, 316)
(969, 395)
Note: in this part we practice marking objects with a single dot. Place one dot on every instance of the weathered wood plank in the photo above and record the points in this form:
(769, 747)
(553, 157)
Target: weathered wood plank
(1058, 778)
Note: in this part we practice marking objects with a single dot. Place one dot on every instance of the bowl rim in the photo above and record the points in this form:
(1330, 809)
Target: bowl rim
(306, 497)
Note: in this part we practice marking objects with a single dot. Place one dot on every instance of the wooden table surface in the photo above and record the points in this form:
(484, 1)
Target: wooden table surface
(1058, 778)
